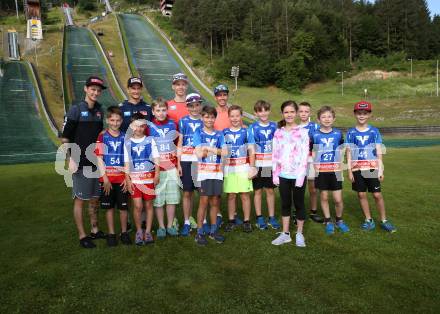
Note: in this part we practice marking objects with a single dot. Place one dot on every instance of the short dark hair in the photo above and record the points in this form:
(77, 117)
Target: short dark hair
(159, 102)
(325, 109)
(260, 105)
(235, 107)
(137, 116)
(209, 110)
(113, 110)
(306, 104)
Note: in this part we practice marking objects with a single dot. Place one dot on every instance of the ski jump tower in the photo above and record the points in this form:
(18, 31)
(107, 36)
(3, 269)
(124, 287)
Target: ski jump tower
(166, 6)
(32, 11)
(68, 14)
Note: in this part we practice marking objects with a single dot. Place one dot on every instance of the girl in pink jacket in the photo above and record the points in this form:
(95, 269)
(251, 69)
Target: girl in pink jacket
(290, 151)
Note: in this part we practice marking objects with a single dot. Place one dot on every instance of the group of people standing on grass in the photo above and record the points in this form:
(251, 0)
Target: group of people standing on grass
(157, 156)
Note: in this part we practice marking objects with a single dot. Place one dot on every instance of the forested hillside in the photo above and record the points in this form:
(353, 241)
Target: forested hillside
(290, 43)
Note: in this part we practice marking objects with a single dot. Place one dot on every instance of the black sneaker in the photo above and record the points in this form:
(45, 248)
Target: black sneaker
(229, 226)
(87, 243)
(247, 227)
(112, 240)
(98, 235)
(125, 238)
(316, 218)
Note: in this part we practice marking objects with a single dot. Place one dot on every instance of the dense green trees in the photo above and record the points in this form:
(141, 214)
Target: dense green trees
(292, 42)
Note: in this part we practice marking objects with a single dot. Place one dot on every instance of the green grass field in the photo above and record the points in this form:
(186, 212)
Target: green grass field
(44, 269)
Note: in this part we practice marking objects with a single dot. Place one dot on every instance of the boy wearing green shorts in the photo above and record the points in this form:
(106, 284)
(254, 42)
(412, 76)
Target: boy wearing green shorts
(239, 168)
(164, 132)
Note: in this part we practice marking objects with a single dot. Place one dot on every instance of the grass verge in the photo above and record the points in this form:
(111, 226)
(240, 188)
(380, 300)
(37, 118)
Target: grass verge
(356, 272)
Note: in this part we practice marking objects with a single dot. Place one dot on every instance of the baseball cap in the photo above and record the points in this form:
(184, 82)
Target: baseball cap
(94, 80)
(134, 80)
(193, 97)
(180, 77)
(363, 105)
(221, 88)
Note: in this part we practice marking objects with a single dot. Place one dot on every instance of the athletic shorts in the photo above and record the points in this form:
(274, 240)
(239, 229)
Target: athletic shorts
(84, 188)
(189, 175)
(168, 189)
(211, 187)
(329, 181)
(144, 191)
(366, 180)
(263, 179)
(237, 183)
(115, 199)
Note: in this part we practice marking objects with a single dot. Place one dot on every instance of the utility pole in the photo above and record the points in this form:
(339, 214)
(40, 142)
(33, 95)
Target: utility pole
(16, 8)
(411, 59)
(437, 78)
(342, 82)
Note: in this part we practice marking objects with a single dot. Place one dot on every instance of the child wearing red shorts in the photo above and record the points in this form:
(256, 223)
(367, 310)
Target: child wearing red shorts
(142, 174)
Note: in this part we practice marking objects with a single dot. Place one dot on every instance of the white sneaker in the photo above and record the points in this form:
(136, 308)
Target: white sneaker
(282, 239)
(300, 241)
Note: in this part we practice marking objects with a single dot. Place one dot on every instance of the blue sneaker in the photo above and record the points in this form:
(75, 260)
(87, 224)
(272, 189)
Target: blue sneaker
(261, 223)
(238, 221)
(368, 225)
(388, 226)
(161, 233)
(342, 226)
(219, 221)
(273, 222)
(172, 232)
(329, 228)
(186, 229)
(201, 239)
(206, 228)
(217, 237)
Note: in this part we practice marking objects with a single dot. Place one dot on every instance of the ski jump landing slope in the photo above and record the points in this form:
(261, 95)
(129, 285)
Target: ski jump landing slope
(149, 56)
(23, 135)
(83, 58)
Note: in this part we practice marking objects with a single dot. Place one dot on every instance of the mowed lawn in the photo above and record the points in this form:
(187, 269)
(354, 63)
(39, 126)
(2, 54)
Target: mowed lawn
(43, 269)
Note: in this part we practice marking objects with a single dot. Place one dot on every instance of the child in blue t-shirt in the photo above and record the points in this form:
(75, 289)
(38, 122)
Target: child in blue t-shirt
(187, 160)
(327, 161)
(209, 148)
(365, 167)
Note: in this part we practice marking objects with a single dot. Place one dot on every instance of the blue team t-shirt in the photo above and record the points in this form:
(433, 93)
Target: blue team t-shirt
(262, 136)
(237, 143)
(187, 127)
(209, 167)
(328, 149)
(362, 145)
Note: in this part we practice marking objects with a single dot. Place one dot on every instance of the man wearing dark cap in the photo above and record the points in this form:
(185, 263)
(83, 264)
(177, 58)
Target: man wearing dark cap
(134, 103)
(83, 123)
